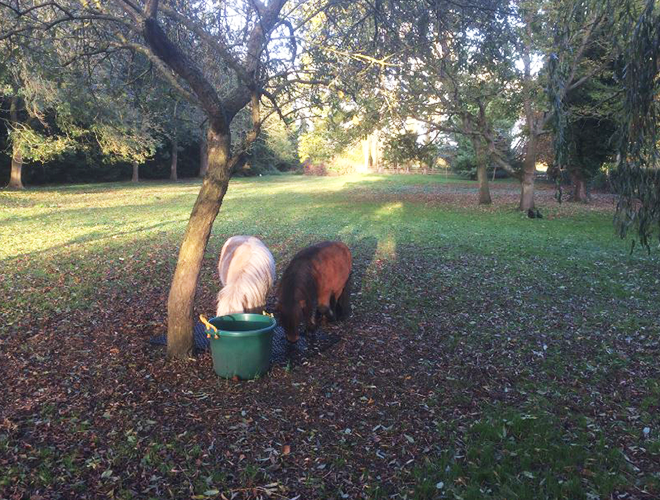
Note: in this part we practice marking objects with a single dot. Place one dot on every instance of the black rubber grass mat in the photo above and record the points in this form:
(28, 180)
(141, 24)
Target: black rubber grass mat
(283, 351)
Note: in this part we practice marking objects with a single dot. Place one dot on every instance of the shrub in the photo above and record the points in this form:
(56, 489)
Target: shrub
(310, 168)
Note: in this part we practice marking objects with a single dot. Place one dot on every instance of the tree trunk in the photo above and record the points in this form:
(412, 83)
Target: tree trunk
(527, 192)
(203, 156)
(175, 156)
(136, 172)
(184, 284)
(482, 172)
(533, 126)
(579, 188)
(366, 155)
(375, 156)
(484, 191)
(528, 175)
(16, 179)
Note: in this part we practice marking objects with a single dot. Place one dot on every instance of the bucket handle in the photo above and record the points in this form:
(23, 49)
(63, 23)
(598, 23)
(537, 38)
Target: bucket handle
(208, 326)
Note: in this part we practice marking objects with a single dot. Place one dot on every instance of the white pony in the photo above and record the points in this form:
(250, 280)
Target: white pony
(247, 271)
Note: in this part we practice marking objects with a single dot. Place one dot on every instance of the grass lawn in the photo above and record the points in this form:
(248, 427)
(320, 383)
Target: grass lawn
(489, 355)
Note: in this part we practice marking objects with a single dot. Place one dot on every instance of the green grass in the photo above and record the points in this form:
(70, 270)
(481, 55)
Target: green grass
(53, 226)
(540, 336)
(527, 456)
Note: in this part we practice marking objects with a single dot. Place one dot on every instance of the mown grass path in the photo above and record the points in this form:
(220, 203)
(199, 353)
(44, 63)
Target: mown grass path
(489, 355)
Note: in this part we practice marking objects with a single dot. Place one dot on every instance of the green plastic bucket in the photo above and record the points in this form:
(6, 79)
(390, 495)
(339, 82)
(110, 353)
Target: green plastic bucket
(242, 346)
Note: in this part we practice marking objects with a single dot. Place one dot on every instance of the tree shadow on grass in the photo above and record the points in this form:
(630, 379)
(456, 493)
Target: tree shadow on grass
(364, 251)
(59, 213)
(101, 187)
(94, 236)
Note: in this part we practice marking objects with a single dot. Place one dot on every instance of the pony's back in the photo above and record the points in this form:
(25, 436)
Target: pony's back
(315, 277)
(247, 271)
(297, 282)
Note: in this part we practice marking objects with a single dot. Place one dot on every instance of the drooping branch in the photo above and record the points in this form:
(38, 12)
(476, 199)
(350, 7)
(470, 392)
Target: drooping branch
(291, 37)
(637, 179)
(571, 83)
(275, 104)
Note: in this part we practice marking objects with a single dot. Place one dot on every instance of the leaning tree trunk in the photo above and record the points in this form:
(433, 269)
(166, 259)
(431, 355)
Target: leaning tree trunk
(184, 284)
(214, 186)
(203, 156)
(579, 188)
(16, 179)
(175, 157)
(136, 172)
(528, 175)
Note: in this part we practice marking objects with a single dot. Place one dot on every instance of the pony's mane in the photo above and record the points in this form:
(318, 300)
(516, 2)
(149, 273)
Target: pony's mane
(248, 291)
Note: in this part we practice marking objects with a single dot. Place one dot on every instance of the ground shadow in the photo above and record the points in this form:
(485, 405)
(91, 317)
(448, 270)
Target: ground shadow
(59, 213)
(94, 236)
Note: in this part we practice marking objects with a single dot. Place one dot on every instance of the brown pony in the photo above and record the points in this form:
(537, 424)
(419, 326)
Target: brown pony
(316, 282)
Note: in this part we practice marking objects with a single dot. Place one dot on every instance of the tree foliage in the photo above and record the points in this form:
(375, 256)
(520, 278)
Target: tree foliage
(66, 104)
(407, 147)
(637, 178)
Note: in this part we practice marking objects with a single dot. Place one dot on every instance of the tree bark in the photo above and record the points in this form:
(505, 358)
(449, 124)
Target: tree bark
(484, 191)
(136, 172)
(527, 191)
(366, 155)
(175, 156)
(16, 179)
(375, 153)
(529, 165)
(482, 172)
(203, 155)
(184, 284)
(528, 175)
(579, 188)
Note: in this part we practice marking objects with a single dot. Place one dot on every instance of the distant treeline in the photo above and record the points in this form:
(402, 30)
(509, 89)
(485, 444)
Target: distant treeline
(90, 166)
